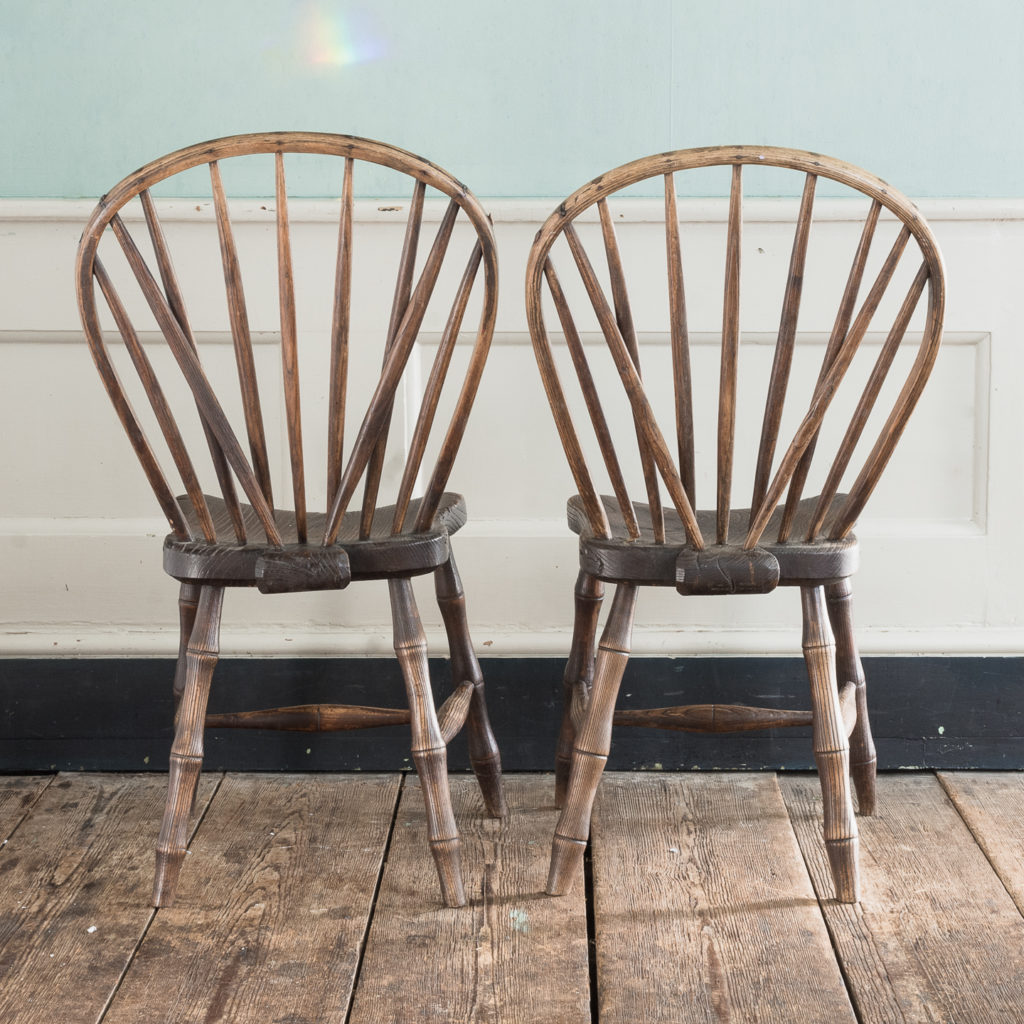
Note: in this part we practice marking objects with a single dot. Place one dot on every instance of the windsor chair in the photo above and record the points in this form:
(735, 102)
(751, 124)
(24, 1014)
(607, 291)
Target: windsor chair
(220, 539)
(783, 538)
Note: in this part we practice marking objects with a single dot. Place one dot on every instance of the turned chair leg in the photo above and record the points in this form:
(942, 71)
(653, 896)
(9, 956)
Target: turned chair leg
(429, 753)
(831, 746)
(863, 760)
(483, 748)
(188, 602)
(593, 741)
(200, 658)
(579, 675)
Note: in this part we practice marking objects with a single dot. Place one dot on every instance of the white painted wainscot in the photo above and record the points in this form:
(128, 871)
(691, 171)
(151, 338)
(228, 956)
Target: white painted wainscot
(80, 533)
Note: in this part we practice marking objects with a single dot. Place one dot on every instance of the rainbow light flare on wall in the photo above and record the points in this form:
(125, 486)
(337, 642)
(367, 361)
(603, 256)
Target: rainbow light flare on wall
(327, 39)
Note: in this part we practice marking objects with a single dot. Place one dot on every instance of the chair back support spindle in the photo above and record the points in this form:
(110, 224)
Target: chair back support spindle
(682, 376)
(237, 446)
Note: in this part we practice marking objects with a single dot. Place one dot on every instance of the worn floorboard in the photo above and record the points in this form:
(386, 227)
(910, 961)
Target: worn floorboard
(992, 804)
(313, 899)
(512, 955)
(17, 795)
(703, 908)
(936, 937)
(272, 905)
(75, 881)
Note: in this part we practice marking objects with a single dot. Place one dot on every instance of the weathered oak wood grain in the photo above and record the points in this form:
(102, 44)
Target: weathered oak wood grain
(74, 882)
(17, 795)
(702, 906)
(511, 955)
(936, 937)
(992, 804)
(270, 917)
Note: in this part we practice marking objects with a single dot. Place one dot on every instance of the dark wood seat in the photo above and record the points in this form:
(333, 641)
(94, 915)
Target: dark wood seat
(615, 432)
(220, 538)
(380, 556)
(647, 562)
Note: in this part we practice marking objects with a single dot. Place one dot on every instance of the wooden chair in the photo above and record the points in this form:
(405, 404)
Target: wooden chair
(222, 539)
(783, 538)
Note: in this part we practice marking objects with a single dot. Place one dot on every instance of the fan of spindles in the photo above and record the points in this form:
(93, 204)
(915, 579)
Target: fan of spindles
(239, 451)
(668, 467)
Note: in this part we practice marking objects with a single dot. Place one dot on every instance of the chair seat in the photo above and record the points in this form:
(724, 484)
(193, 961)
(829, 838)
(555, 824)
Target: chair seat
(380, 556)
(622, 559)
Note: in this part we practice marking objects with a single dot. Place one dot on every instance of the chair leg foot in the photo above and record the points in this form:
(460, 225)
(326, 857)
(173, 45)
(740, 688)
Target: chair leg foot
(445, 846)
(579, 675)
(842, 860)
(831, 746)
(200, 658)
(429, 753)
(487, 770)
(863, 760)
(593, 741)
(483, 748)
(566, 855)
(170, 849)
(864, 775)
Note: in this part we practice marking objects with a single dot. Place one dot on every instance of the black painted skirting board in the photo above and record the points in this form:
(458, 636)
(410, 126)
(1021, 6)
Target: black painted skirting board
(115, 714)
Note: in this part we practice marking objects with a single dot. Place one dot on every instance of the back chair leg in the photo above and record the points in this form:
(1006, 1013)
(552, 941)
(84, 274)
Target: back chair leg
(188, 602)
(831, 746)
(863, 760)
(590, 751)
(483, 748)
(200, 658)
(579, 675)
(429, 753)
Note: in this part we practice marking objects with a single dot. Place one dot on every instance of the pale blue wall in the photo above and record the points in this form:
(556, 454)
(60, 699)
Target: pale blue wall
(522, 98)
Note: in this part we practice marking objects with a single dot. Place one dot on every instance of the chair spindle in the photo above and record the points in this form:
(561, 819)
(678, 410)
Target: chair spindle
(563, 422)
(242, 339)
(593, 401)
(177, 303)
(289, 349)
(784, 346)
(158, 402)
(126, 414)
(649, 436)
(682, 376)
(826, 389)
(188, 361)
(433, 388)
(374, 426)
(839, 330)
(340, 323)
(403, 290)
(624, 320)
(867, 401)
(730, 356)
(894, 426)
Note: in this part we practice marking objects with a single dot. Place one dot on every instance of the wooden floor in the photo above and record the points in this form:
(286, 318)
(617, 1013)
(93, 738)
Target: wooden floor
(313, 898)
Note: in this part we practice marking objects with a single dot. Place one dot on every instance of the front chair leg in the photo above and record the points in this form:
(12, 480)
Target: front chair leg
(831, 747)
(863, 760)
(429, 753)
(200, 658)
(579, 674)
(590, 751)
(483, 748)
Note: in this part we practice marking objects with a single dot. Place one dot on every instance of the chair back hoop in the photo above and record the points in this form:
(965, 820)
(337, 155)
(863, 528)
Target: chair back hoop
(669, 469)
(244, 456)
